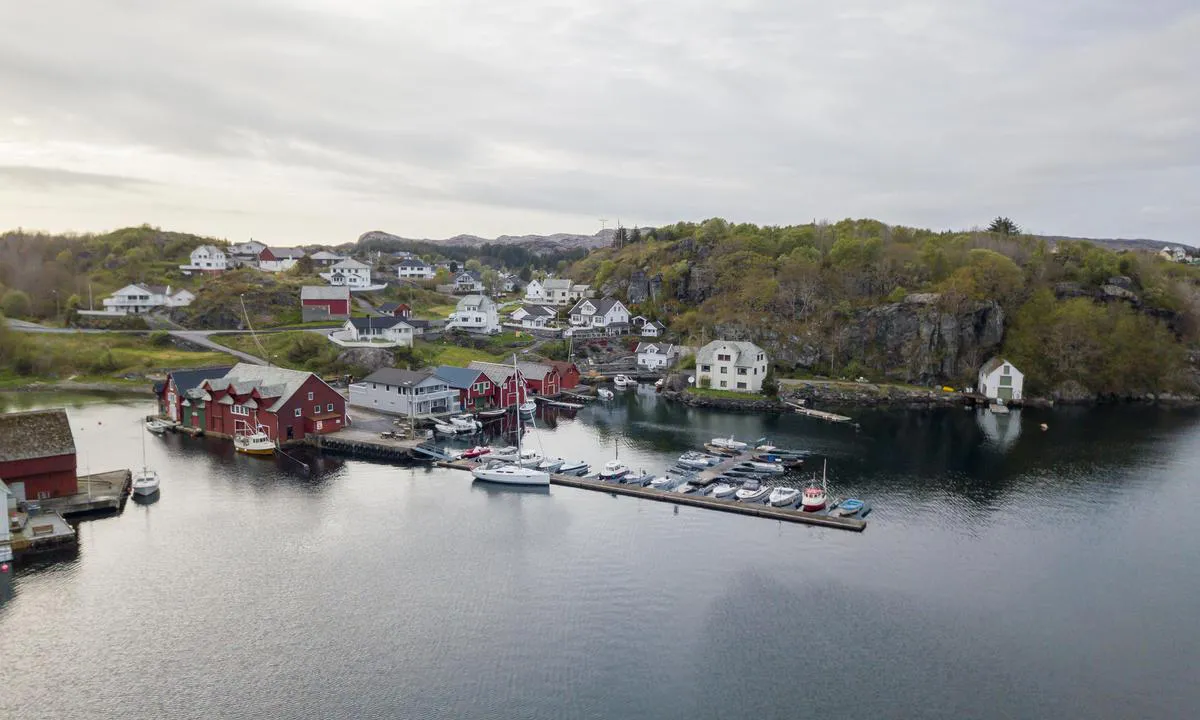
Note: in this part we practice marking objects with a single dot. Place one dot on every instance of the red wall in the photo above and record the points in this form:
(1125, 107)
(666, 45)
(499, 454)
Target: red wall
(306, 423)
(54, 475)
(569, 377)
(547, 385)
(511, 393)
(335, 307)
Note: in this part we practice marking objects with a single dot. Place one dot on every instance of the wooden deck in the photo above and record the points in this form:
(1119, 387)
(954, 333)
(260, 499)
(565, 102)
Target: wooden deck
(701, 501)
(819, 414)
(98, 493)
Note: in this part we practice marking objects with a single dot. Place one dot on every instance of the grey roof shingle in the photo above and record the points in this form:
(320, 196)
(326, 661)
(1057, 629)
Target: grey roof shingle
(399, 378)
(271, 382)
(378, 322)
(457, 377)
(746, 352)
(190, 379)
(35, 434)
(324, 292)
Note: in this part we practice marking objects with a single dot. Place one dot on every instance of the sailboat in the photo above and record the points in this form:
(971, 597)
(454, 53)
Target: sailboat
(145, 481)
(513, 473)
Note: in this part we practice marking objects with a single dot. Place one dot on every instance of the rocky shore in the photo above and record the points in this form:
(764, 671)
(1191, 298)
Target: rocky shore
(753, 403)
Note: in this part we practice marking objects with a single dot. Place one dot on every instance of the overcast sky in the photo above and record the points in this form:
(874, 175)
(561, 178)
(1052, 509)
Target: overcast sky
(315, 120)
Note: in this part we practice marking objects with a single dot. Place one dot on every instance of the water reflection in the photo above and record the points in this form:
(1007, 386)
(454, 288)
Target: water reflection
(1001, 429)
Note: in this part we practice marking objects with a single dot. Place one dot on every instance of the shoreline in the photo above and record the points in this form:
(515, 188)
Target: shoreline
(139, 388)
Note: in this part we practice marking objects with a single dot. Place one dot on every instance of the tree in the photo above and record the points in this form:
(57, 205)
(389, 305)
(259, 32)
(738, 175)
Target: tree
(474, 265)
(526, 274)
(15, 304)
(1004, 226)
(635, 236)
(453, 267)
(770, 386)
(491, 280)
(304, 266)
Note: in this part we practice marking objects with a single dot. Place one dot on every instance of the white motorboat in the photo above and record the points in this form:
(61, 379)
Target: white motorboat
(784, 496)
(723, 490)
(551, 464)
(447, 428)
(158, 427)
(530, 458)
(514, 473)
(529, 407)
(697, 460)
(466, 423)
(685, 488)
(729, 444)
(508, 453)
(574, 467)
(763, 467)
(145, 482)
(641, 478)
(752, 491)
(622, 382)
(613, 470)
(605, 394)
(663, 482)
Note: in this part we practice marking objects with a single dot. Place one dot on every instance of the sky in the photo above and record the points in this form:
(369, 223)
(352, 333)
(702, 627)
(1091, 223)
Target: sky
(312, 121)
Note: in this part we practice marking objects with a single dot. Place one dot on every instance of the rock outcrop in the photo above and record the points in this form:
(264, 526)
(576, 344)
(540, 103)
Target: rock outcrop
(368, 359)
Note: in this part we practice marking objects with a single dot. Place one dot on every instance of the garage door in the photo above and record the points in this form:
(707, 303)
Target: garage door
(18, 491)
(1005, 393)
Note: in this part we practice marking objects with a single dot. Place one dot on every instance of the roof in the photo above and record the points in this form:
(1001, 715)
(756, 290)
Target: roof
(413, 262)
(326, 255)
(399, 378)
(351, 264)
(285, 253)
(35, 434)
(498, 372)
(602, 306)
(993, 365)
(556, 284)
(191, 378)
(152, 289)
(474, 300)
(382, 323)
(562, 366)
(474, 275)
(210, 249)
(536, 310)
(457, 377)
(660, 348)
(272, 382)
(325, 292)
(654, 324)
(391, 307)
(416, 323)
(746, 352)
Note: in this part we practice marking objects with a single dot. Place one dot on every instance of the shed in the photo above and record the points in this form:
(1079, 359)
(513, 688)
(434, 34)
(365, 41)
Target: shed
(37, 454)
(1001, 380)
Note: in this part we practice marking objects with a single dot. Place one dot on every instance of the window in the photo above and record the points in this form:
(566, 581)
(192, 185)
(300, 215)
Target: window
(297, 412)
(239, 410)
(310, 396)
(329, 407)
(741, 371)
(705, 368)
(722, 358)
(724, 384)
(741, 386)
(1004, 370)
(724, 370)
(316, 409)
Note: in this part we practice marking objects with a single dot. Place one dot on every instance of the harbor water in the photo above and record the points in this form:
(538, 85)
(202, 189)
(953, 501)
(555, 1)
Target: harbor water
(1006, 572)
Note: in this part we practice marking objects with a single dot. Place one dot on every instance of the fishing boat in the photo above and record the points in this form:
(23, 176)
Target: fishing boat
(784, 496)
(252, 441)
(145, 481)
(623, 382)
(158, 427)
(605, 394)
(466, 423)
(729, 444)
(815, 494)
(573, 467)
(476, 452)
(551, 464)
(514, 473)
(723, 490)
(752, 491)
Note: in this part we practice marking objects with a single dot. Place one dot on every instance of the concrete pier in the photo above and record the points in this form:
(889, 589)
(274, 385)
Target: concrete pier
(365, 444)
(98, 493)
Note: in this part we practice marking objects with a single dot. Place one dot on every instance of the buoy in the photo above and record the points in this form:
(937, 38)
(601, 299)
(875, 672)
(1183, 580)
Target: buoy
(3, 567)
(1045, 426)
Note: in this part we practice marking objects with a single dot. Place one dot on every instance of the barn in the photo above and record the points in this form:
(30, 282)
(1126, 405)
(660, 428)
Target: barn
(37, 454)
(324, 302)
(286, 404)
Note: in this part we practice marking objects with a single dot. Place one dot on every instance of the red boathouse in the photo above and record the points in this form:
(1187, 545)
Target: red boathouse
(37, 454)
(287, 404)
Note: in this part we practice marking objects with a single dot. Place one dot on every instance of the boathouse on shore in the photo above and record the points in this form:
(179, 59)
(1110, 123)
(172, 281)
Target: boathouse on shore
(180, 397)
(286, 404)
(37, 454)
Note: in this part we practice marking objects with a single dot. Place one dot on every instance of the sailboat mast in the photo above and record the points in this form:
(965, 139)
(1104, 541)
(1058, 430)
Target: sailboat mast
(520, 420)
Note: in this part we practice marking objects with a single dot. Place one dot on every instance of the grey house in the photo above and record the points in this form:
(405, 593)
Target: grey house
(404, 392)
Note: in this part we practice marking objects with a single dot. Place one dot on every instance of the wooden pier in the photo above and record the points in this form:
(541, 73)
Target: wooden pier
(700, 501)
(104, 492)
(819, 414)
(365, 444)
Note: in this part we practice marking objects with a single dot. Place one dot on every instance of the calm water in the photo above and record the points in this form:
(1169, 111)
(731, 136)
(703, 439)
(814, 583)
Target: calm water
(1006, 573)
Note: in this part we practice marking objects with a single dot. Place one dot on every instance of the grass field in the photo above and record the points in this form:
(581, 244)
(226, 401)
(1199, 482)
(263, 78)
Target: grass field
(96, 357)
(729, 394)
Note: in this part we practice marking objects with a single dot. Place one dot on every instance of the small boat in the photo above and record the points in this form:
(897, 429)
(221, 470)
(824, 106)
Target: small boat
(492, 414)
(476, 452)
(641, 478)
(787, 462)
(813, 499)
(723, 490)
(613, 470)
(254, 443)
(684, 488)
(849, 506)
(697, 460)
(762, 466)
(662, 482)
(158, 427)
(551, 465)
(605, 394)
(753, 491)
(573, 467)
(721, 451)
(784, 496)
(622, 382)
(511, 475)
(508, 453)
(729, 443)
(530, 458)
(145, 482)
(528, 407)
(466, 423)
(781, 452)
(447, 428)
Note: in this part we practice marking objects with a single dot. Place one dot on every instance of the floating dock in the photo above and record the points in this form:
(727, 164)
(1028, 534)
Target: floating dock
(701, 501)
(42, 532)
(819, 414)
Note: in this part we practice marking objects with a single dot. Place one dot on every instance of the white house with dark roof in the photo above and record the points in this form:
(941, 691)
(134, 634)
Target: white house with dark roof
(468, 281)
(324, 258)
(475, 313)
(245, 253)
(349, 272)
(404, 392)
(607, 314)
(533, 317)
(141, 298)
(732, 365)
(655, 356)
(1001, 380)
(374, 332)
(557, 291)
(206, 258)
(414, 268)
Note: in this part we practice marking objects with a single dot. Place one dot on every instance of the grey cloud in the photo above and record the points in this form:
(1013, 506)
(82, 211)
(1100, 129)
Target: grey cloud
(30, 177)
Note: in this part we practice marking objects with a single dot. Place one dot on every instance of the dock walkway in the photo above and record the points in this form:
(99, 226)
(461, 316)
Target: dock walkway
(701, 501)
(366, 444)
(98, 493)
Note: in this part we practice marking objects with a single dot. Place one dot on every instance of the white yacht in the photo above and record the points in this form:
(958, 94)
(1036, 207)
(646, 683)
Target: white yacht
(514, 473)
(466, 423)
(723, 490)
(729, 444)
(574, 467)
(752, 491)
(509, 453)
(784, 496)
(530, 458)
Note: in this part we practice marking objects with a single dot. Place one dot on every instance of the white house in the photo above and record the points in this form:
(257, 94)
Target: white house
(414, 268)
(557, 291)
(649, 328)
(534, 316)
(999, 380)
(468, 281)
(579, 291)
(386, 331)
(349, 272)
(246, 253)
(404, 392)
(731, 365)
(206, 258)
(535, 292)
(324, 258)
(475, 313)
(608, 314)
(138, 298)
(509, 283)
(1174, 254)
(655, 356)
(276, 259)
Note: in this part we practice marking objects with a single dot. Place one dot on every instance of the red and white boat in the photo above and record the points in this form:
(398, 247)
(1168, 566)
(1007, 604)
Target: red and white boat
(815, 495)
(476, 452)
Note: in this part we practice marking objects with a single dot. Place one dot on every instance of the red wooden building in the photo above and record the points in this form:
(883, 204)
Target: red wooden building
(400, 310)
(508, 386)
(324, 302)
(475, 389)
(542, 379)
(180, 396)
(286, 404)
(37, 454)
(568, 374)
